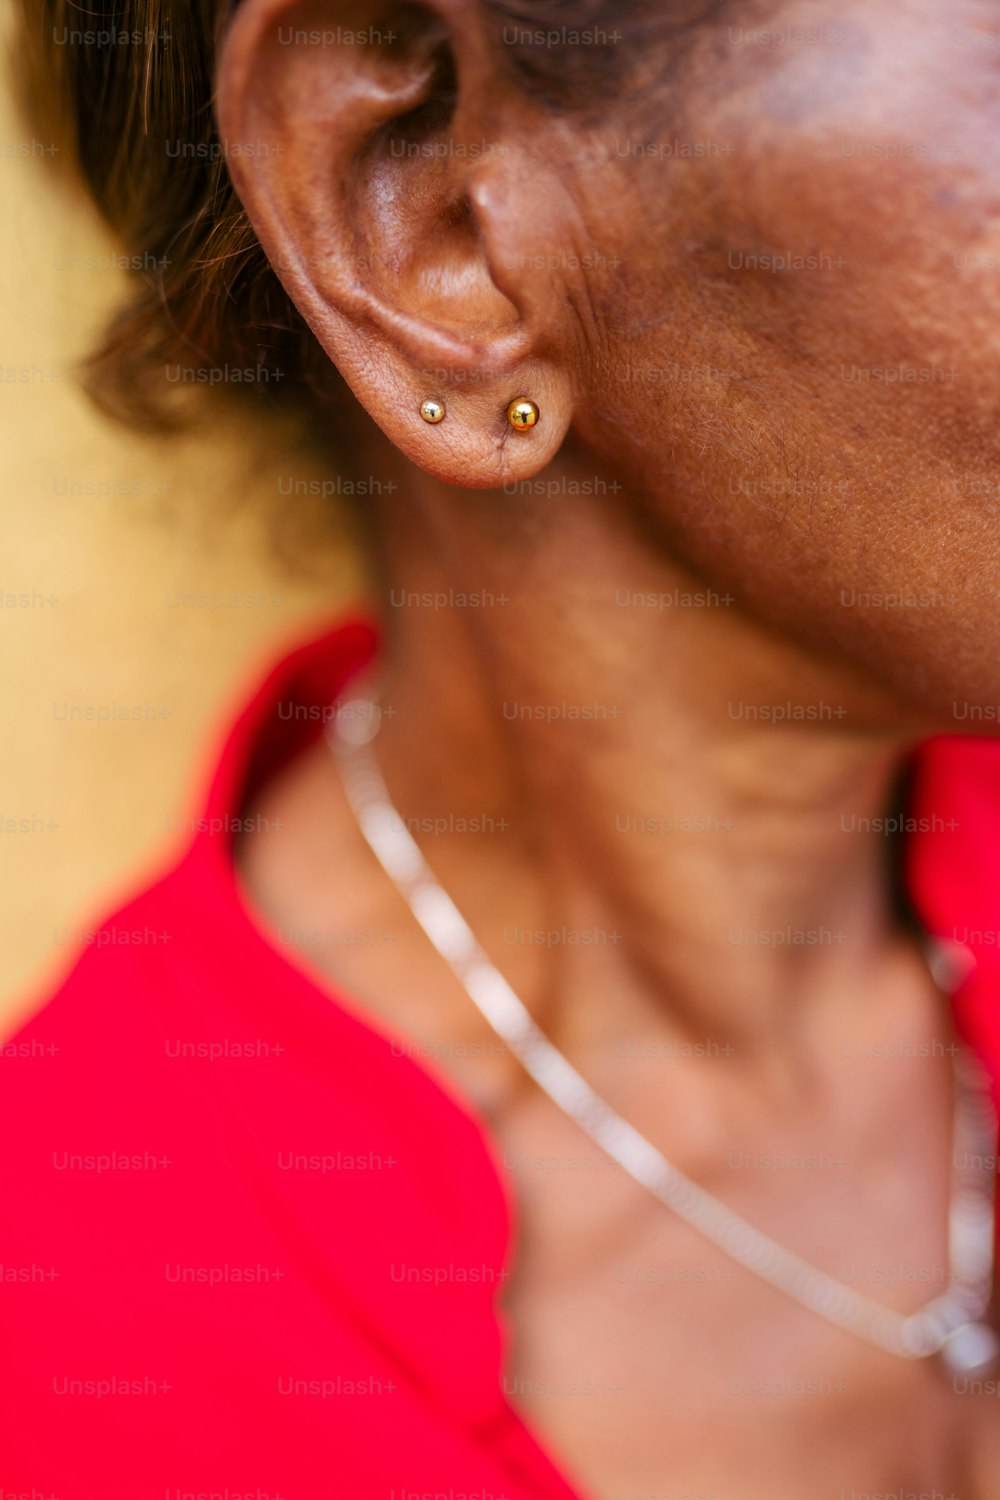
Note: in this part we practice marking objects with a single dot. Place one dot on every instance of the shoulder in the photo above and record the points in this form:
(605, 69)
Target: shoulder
(94, 1046)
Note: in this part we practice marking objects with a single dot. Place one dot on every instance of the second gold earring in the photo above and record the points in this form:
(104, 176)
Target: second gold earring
(522, 414)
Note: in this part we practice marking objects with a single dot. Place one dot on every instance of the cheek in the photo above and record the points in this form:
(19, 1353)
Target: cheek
(820, 234)
(845, 207)
(804, 333)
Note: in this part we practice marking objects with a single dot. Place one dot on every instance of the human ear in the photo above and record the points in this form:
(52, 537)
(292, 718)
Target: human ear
(406, 193)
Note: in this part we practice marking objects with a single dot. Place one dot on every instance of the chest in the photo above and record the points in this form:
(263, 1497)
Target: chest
(650, 1366)
(654, 1368)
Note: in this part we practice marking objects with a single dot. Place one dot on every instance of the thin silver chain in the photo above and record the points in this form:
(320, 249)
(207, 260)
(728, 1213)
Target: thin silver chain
(954, 1318)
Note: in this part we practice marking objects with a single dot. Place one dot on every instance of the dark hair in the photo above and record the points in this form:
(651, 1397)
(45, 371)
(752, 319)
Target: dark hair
(136, 117)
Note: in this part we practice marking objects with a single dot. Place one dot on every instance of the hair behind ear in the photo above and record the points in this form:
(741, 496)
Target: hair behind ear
(134, 118)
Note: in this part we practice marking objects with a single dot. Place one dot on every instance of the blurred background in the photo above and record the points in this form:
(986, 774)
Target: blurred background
(137, 577)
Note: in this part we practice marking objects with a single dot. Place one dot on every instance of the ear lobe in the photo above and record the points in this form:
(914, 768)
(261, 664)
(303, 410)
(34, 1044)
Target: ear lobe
(392, 209)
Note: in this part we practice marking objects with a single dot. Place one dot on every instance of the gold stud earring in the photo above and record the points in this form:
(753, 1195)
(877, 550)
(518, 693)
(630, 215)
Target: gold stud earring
(522, 414)
(432, 411)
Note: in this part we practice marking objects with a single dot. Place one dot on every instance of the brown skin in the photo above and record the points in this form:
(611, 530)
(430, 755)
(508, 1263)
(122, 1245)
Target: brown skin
(751, 466)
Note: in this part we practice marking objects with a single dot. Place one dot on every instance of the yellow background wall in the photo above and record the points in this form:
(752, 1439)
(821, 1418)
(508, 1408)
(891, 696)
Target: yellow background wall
(92, 586)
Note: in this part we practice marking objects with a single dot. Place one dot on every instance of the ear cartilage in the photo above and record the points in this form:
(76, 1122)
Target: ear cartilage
(522, 414)
(432, 411)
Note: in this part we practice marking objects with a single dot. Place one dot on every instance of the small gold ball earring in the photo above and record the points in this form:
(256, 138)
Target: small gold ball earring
(522, 414)
(432, 411)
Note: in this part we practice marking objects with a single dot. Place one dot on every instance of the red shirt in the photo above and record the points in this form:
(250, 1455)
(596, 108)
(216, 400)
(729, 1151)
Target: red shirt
(249, 1245)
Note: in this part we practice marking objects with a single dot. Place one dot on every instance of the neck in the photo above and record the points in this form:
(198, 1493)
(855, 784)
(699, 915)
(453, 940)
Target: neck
(677, 801)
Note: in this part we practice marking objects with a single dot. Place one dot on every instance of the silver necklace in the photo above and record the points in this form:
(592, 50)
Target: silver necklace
(951, 1324)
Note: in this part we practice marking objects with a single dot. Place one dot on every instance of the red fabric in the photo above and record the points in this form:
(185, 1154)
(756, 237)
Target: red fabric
(169, 1268)
(953, 871)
